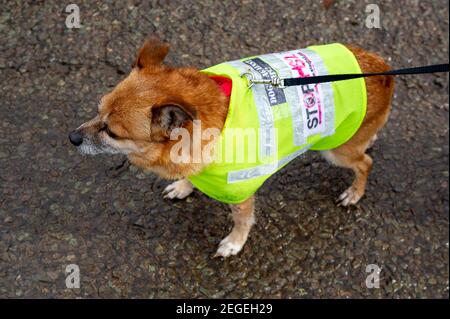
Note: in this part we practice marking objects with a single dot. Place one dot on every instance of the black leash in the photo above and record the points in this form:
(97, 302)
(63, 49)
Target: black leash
(340, 77)
(277, 82)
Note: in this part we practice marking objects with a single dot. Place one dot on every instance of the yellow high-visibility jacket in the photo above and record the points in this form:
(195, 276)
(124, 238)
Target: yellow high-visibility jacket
(267, 127)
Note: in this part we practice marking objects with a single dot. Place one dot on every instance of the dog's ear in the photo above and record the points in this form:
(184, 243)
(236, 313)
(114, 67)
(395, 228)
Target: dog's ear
(152, 52)
(167, 117)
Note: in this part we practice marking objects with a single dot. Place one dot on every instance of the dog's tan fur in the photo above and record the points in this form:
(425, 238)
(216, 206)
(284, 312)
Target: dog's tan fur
(136, 119)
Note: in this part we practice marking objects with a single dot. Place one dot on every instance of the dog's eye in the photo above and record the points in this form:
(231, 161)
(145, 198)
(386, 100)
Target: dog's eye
(108, 131)
(111, 134)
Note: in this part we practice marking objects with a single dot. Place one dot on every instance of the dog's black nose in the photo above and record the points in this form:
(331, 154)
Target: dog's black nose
(76, 138)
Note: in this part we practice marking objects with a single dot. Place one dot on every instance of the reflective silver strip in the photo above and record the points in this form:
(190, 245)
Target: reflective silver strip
(291, 93)
(325, 90)
(261, 170)
(267, 140)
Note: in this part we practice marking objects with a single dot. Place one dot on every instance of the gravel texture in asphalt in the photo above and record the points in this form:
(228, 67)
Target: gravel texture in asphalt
(59, 208)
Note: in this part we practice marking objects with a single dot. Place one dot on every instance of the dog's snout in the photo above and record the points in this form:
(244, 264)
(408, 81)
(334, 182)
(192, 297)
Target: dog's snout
(76, 138)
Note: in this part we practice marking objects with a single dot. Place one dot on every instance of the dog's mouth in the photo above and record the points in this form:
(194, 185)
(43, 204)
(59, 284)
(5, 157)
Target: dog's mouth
(89, 146)
(92, 149)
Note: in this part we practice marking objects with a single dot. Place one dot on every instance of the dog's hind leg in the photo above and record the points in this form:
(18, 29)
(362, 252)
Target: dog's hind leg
(352, 154)
(360, 163)
(372, 141)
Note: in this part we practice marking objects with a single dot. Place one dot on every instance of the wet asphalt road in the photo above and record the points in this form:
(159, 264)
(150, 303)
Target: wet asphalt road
(59, 208)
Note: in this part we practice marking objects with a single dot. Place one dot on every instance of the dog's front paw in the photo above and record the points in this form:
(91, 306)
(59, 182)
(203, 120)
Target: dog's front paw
(350, 197)
(228, 247)
(179, 189)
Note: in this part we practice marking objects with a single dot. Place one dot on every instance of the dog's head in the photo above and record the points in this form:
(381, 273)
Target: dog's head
(138, 115)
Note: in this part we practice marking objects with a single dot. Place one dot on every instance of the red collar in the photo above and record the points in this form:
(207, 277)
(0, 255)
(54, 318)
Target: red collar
(225, 84)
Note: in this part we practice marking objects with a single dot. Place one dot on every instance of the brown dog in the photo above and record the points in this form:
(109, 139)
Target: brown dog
(136, 119)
